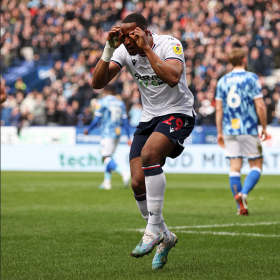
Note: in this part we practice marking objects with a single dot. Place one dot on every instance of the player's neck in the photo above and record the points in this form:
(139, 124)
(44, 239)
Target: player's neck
(151, 41)
(239, 68)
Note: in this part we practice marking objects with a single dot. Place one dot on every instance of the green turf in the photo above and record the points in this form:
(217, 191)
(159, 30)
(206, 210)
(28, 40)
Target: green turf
(60, 226)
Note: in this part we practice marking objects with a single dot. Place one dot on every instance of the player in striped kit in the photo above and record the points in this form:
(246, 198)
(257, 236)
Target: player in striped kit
(110, 113)
(239, 105)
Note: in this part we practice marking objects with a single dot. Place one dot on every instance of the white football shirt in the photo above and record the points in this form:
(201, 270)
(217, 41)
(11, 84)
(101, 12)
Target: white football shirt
(158, 98)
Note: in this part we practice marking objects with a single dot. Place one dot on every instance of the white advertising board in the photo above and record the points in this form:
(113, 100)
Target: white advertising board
(195, 159)
(38, 136)
(273, 136)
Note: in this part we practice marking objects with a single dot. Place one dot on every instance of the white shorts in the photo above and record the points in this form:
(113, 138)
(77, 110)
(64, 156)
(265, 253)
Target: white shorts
(239, 146)
(108, 146)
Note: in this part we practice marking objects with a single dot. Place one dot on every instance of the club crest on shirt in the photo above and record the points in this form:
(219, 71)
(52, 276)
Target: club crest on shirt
(134, 60)
(177, 49)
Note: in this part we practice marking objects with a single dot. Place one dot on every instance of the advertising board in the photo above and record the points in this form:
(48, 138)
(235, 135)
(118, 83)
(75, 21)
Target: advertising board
(195, 159)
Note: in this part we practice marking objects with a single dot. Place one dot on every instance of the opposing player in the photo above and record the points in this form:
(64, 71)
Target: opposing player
(3, 93)
(156, 63)
(239, 105)
(110, 112)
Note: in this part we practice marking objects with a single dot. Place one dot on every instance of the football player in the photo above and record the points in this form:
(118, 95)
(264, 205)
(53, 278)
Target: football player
(239, 105)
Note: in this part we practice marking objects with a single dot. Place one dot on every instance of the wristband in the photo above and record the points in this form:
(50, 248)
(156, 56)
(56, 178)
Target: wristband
(107, 53)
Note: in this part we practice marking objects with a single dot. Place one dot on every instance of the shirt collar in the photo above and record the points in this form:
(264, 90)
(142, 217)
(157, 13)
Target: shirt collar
(238, 70)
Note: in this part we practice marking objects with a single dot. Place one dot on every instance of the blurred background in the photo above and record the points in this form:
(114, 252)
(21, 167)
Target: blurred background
(50, 48)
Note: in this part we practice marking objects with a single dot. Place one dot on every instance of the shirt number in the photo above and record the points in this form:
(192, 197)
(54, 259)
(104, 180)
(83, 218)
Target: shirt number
(116, 114)
(233, 99)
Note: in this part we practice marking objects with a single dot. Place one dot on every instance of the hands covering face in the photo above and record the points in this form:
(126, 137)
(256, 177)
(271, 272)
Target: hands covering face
(116, 37)
(140, 38)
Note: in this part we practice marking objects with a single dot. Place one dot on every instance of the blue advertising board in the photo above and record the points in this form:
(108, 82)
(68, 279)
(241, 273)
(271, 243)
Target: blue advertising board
(200, 135)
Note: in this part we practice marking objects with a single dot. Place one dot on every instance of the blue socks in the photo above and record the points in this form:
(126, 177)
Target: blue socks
(107, 175)
(249, 183)
(251, 180)
(235, 182)
(110, 164)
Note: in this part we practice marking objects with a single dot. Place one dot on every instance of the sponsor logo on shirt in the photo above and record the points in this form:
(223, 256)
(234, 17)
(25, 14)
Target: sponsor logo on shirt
(146, 80)
(177, 49)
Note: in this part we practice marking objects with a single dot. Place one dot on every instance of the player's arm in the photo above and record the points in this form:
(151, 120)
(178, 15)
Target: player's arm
(3, 92)
(98, 113)
(219, 123)
(92, 125)
(125, 124)
(127, 129)
(168, 71)
(262, 115)
(105, 71)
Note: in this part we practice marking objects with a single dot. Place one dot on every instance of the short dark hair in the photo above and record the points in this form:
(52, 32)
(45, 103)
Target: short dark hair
(138, 19)
(110, 89)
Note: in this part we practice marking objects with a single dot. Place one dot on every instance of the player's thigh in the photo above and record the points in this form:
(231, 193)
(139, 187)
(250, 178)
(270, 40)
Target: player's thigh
(157, 148)
(137, 176)
(168, 138)
(138, 142)
(235, 164)
(108, 146)
(176, 127)
(233, 147)
(251, 146)
(258, 162)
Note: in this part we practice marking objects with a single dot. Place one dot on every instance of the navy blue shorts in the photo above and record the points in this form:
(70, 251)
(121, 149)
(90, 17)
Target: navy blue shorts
(177, 127)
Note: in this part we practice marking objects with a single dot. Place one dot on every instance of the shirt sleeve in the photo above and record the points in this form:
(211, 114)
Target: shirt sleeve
(174, 50)
(99, 109)
(257, 88)
(219, 94)
(118, 56)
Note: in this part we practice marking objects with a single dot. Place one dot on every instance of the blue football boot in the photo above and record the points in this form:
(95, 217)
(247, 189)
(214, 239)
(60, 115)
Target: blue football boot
(146, 245)
(160, 258)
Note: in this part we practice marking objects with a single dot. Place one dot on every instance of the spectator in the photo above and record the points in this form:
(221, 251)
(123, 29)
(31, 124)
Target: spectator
(51, 113)
(255, 62)
(15, 118)
(71, 118)
(206, 114)
(69, 36)
(20, 85)
(39, 110)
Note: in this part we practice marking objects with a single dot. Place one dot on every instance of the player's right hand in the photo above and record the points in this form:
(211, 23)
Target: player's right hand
(264, 135)
(86, 132)
(220, 140)
(129, 142)
(114, 37)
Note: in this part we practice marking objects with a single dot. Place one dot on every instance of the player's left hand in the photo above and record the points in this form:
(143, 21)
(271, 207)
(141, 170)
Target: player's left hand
(264, 135)
(86, 132)
(220, 140)
(140, 38)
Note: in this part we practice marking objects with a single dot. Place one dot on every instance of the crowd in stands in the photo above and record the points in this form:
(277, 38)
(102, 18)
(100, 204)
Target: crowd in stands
(70, 35)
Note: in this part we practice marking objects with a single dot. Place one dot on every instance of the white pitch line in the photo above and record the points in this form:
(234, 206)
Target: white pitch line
(217, 226)
(226, 225)
(229, 233)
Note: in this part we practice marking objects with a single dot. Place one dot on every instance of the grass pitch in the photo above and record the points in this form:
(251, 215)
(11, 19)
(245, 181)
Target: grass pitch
(60, 226)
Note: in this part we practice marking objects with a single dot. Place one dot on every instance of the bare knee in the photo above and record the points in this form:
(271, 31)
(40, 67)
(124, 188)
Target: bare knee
(149, 157)
(138, 185)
